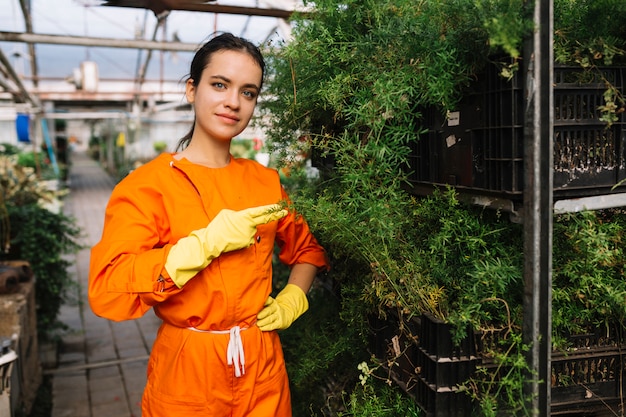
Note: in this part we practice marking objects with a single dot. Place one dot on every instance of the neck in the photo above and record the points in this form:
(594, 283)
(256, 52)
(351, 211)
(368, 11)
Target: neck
(209, 156)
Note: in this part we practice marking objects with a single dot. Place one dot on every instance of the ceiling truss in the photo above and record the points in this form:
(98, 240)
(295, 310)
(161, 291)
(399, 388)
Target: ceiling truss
(161, 8)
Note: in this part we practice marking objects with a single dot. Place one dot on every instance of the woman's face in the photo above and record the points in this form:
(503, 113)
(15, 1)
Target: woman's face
(226, 95)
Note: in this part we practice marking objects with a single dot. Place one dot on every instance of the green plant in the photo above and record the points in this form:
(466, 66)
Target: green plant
(39, 162)
(589, 32)
(500, 387)
(9, 149)
(159, 146)
(242, 148)
(37, 231)
(43, 238)
(353, 83)
(319, 352)
(350, 90)
(319, 349)
(21, 185)
(380, 400)
(367, 67)
(589, 289)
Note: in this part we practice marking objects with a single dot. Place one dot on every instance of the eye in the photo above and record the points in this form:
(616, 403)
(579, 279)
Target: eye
(218, 85)
(250, 94)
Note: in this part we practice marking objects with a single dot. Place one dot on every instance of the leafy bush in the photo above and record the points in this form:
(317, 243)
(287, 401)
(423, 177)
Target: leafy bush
(34, 229)
(43, 238)
(379, 400)
(590, 32)
(9, 149)
(588, 286)
(350, 90)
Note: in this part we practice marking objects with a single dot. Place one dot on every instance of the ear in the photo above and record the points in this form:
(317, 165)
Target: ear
(190, 91)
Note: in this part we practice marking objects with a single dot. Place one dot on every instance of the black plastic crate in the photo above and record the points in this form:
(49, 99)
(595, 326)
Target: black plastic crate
(587, 379)
(443, 368)
(481, 147)
(440, 362)
(589, 376)
(395, 344)
(442, 401)
(444, 372)
(435, 338)
(422, 359)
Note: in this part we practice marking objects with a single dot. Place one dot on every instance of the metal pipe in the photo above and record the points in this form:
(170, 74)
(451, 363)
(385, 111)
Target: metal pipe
(538, 210)
(91, 41)
(141, 76)
(14, 77)
(218, 8)
(28, 22)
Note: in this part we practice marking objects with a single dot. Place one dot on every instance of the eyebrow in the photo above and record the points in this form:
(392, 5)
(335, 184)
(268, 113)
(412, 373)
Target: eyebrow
(228, 80)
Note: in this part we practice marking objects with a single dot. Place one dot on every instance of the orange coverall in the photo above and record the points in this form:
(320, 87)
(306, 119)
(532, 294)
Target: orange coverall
(188, 371)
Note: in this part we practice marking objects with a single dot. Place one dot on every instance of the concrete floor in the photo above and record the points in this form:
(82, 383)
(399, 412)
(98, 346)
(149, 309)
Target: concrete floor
(101, 368)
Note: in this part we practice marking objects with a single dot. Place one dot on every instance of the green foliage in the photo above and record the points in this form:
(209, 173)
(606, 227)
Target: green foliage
(433, 255)
(353, 83)
(379, 400)
(320, 352)
(321, 348)
(9, 149)
(368, 67)
(500, 385)
(590, 32)
(350, 90)
(159, 146)
(243, 148)
(33, 228)
(474, 255)
(506, 23)
(43, 238)
(588, 286)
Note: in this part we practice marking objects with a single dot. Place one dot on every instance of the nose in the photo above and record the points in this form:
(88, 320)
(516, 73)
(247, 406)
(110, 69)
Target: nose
(232, 99)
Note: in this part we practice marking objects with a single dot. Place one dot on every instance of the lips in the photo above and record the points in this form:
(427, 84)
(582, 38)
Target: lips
(228, 118)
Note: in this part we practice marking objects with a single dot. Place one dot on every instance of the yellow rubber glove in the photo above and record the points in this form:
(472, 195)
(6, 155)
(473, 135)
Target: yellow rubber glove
(279, 313)
(228, 231)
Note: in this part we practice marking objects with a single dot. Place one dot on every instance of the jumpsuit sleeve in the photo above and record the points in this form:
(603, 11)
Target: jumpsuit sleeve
(126, 266)
(297, 243)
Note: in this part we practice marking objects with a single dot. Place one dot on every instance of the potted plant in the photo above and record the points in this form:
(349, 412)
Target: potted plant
(36, 230)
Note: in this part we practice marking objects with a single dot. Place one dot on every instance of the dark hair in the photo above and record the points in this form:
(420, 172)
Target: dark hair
(223, 42)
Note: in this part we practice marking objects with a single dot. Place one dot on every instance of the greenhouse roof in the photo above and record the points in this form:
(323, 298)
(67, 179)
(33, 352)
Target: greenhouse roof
(91, 51)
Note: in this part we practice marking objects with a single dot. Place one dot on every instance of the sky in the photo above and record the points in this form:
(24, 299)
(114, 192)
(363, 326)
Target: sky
(87, 18)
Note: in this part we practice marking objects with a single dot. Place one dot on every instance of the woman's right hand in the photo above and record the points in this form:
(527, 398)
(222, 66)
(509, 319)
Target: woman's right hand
(230, 230)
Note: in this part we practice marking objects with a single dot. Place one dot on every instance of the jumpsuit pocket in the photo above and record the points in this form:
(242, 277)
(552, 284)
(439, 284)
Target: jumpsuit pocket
(161, 406)
(175, 378)
(272, 397)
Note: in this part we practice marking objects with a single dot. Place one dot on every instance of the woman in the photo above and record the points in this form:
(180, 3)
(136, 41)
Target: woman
(191, 234)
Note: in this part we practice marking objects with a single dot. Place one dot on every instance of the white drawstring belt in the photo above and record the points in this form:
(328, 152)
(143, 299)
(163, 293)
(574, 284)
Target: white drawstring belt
(234, 351)
(234, 355)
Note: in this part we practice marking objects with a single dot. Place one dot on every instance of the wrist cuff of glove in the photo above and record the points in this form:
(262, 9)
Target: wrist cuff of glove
(297, 297)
